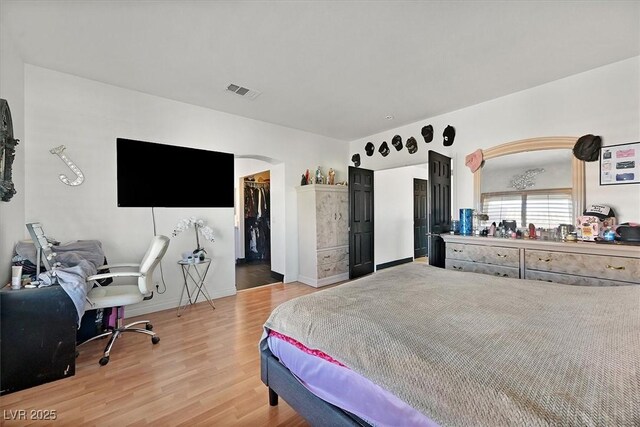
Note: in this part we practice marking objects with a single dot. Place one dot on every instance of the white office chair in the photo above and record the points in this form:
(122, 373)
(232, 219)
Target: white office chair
(120, 296)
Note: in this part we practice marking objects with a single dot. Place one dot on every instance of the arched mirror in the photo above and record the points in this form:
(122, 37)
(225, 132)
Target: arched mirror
(535, 181)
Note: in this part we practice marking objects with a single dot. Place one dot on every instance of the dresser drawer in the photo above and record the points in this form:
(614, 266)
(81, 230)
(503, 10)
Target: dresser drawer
(497, 255)
(476, 267)
(595, 266)
(333, 269)
(567, 279)
(331, 256)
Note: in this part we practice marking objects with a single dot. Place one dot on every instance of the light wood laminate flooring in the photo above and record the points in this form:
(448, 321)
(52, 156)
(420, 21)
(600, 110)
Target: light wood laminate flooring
(205, 371)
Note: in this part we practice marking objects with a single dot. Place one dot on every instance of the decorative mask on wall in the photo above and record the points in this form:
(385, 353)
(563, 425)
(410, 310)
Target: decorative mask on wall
(369, 148)
(427, 133)
(449, 135)
(356, 159)
(397, 142)
(384, 149)
(412, 145)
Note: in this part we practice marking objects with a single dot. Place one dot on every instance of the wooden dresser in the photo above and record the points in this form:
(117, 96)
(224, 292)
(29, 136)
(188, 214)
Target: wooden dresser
(577, 263)
(323, 234)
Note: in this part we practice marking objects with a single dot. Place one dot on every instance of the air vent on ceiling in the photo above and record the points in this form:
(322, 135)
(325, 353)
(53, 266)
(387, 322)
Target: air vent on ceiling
(243, 91)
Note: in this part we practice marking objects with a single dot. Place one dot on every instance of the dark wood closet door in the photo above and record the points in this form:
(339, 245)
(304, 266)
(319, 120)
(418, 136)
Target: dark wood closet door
(419, 217)
(360, 222)
(439, 206)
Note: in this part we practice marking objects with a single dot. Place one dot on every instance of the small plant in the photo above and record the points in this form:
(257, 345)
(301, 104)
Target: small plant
(200, 228)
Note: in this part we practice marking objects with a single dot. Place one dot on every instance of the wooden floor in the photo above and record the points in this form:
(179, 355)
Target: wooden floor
(252, 274)
(204, 371)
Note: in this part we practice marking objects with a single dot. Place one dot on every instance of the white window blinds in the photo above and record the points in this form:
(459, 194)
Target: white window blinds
(543, 208)
(501, 207)
(549, 210)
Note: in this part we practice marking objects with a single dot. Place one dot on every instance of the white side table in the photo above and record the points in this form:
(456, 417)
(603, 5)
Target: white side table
(194, 274)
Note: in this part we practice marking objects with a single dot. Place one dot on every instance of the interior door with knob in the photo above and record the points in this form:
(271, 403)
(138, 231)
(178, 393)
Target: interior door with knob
(439, 219)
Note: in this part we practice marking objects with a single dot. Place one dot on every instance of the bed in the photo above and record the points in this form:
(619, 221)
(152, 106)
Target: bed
(457, 349)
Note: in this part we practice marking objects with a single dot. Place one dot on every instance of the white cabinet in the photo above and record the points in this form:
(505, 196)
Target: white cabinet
(323, 234)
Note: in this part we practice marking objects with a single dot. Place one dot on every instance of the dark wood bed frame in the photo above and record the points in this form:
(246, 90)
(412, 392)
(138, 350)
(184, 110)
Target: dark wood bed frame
(316, 411)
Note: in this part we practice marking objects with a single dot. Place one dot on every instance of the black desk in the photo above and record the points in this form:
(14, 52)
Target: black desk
(37, 337)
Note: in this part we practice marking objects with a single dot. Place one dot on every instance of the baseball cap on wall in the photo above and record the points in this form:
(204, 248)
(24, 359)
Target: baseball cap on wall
(397, 142)
(384, 149)
(369, 148)
(427, 133)
(587, 148)
(412, 145)
(449, 135)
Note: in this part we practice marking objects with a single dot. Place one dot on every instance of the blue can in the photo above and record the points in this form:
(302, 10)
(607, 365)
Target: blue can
(466, 221)
(609, 235)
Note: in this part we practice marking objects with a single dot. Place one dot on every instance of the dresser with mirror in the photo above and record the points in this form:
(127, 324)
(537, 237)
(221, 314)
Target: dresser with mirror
(555, 183)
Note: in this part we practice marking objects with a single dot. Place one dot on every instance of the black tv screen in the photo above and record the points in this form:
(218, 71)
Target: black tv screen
(160, 175)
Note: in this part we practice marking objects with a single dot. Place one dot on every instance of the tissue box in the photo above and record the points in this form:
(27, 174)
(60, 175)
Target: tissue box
(592, 227)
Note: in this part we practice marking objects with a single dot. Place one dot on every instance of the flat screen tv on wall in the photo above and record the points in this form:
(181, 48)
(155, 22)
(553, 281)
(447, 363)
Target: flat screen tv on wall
(160, 175)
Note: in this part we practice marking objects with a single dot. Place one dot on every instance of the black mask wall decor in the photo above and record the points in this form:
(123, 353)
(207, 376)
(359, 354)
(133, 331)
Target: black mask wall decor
(449, 135)
(384, 149)
(412, 145)
(397, 142)
(356, 159)
(369, 148)
(427, 133)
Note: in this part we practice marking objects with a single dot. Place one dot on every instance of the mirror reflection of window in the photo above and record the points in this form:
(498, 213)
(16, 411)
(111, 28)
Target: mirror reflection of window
(530, 188)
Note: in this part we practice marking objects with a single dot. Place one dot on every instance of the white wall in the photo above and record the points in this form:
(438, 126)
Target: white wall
(604, 101)
(87, 117)
(12, 222)
(393, 210)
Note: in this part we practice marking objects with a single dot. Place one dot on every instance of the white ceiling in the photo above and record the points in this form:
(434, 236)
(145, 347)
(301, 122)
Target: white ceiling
(327, 67)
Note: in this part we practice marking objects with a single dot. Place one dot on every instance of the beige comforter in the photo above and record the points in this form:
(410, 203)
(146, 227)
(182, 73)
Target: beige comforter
(468, 350)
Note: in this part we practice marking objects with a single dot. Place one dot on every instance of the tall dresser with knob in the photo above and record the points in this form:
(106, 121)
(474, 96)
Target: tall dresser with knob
(323, 234)
(572, 263)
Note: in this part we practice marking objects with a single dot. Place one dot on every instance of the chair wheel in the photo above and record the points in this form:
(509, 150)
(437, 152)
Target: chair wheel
(104, 360)
(155, 340)
(149, 327)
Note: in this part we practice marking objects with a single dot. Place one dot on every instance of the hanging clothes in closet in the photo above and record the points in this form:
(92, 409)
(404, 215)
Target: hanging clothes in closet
(257, 220)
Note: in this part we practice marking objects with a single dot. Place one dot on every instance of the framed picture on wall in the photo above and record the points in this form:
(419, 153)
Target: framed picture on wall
(620, 164)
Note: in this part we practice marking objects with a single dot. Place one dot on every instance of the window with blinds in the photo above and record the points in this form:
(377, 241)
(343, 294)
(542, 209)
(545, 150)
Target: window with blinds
(543, 208)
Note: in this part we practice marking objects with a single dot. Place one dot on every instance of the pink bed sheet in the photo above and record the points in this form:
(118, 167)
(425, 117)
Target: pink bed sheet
(333, 382)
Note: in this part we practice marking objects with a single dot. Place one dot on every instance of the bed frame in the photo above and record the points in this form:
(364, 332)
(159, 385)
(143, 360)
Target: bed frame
(282, 382)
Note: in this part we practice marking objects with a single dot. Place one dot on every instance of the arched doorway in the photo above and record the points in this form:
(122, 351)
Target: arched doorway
(259, 199)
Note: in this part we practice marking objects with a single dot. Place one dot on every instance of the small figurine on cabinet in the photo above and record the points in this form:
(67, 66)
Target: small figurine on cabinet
(319, 177)
(303, 180)
(331, 177)
(306, 176)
